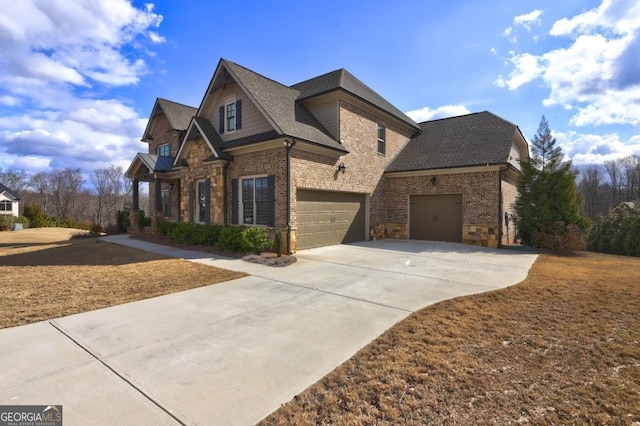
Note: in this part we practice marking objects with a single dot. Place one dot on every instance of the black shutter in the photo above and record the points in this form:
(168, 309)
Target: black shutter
(191, 197)
(271, 200)
(234, 201)
(207, 200)
(238, 114)
(221, 127)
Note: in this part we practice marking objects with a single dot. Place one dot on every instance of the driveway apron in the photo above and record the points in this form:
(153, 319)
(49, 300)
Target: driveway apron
(232, 353)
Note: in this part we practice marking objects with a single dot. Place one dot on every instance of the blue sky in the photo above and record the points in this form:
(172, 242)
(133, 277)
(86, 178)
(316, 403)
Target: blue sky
(78, 78)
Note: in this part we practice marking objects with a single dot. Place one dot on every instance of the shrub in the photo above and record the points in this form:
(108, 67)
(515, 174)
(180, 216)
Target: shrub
(35, 215)
(279, 243)
(96, 228)
(255, 240)
(230, 238)
(23, 220)
(122, 221)
(142, 220)
(182, 231)
(164, 227)
(560, 238)
(617, 233)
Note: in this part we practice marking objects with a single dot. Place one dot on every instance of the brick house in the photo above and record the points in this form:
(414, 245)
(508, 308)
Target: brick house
(327, 161)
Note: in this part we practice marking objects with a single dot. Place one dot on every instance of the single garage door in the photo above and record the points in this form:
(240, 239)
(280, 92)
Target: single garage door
(325, 218)
(436, 217)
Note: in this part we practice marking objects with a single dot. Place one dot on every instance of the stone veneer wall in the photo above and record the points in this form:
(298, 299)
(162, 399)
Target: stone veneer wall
(199, 170)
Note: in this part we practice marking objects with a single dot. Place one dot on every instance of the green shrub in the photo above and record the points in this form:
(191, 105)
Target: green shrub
(182, 231)
(164, 227)
(122, 221)
(255, 240)
(142, 220)
(35, 215)
(230, 238)
(23, 220)
(279, 243)
(207, 234)
(617, 233)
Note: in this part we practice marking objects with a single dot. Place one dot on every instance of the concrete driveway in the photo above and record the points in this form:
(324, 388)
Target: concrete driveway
(234, 352)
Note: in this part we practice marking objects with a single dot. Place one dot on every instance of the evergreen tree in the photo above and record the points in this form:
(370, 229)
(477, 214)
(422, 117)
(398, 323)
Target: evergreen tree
(546, 155)
(548, 206)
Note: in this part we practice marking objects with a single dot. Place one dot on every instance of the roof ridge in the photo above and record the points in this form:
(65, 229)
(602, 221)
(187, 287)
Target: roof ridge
(256, 73)
(176, 103)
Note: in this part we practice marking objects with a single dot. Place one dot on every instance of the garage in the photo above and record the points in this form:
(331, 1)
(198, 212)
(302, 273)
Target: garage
(436, 217)
(326, 218)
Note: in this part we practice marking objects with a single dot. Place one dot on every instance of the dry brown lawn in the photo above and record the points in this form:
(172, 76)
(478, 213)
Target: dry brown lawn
(52, 272)
(562, 347)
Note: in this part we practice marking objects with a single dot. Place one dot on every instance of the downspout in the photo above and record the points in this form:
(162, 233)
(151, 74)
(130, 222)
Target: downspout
(500, 206)
(290, 145)
(225, 202)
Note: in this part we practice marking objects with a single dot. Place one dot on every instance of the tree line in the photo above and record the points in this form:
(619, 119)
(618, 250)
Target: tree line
(66, 195)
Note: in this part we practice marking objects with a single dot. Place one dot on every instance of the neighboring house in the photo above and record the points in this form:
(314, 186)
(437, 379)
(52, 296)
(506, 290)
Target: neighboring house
(327, 161)
(8, 202)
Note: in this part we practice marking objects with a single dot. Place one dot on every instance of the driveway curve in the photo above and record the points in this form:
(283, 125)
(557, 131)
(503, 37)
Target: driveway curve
(234, 352)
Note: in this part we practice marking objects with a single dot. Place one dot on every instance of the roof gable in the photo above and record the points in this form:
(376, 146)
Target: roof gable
(152, 163)
(275, 101)
(201, 126)
(343, 80)
(8, 193)
(178, 115)
(477, 139)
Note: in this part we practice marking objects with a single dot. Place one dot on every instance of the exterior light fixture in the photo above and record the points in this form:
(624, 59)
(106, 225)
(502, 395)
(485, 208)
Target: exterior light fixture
(434, 180)
(342, 167)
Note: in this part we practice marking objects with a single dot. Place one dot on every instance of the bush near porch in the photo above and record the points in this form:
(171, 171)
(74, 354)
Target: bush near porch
(240, 239)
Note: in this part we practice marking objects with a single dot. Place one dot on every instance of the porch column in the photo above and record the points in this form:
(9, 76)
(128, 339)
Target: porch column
(136, 203)
(158, 201)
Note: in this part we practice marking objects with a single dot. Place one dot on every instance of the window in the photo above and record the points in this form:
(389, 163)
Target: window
(164, 150)
(201, 201)
(5, 206)
(231, 117)
(165, 199)
(255, 201)
(381, 139)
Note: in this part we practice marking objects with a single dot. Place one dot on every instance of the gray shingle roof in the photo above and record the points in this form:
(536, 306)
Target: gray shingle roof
(469, 140)
(179, 115)
(212, 136)
(280, 107)
(343, 80)
(157, 163)
(8, 191)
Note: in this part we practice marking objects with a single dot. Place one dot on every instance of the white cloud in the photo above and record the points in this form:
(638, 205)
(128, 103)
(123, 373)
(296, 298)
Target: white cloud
(426, 113)
(584, 148)
(529, 19)
(596, 74)
(60, 59)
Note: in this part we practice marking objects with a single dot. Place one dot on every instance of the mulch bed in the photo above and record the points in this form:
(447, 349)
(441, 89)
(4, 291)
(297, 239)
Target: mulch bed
(266, 258)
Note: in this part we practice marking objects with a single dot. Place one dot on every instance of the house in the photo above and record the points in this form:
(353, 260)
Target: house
(9, 202)
(327, 161)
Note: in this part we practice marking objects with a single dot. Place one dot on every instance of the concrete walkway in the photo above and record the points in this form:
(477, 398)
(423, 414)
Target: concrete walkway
(232, 353)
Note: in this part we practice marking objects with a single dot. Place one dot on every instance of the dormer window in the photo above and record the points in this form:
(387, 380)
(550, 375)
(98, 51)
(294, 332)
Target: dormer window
(164, 150)
(230, 116)
(381, 139)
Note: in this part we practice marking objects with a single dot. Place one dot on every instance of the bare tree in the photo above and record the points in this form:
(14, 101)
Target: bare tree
(40, 184)
(65, 186)
(615, 180)
(111, 188)
(16, 180)
(629, 171)
(591, 188)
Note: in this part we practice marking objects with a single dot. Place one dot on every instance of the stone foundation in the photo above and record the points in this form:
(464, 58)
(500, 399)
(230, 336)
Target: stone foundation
(381, 231)
(480, 235)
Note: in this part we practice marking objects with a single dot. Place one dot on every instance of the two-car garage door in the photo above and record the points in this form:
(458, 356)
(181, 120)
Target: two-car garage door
(325, 218)
(436, 217)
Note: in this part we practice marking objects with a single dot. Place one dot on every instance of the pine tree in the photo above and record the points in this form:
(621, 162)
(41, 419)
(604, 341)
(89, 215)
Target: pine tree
(546, 155)
(548, 206)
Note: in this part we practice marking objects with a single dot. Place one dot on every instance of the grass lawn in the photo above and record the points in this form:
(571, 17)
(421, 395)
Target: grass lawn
(562, 347)
(51, 272)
